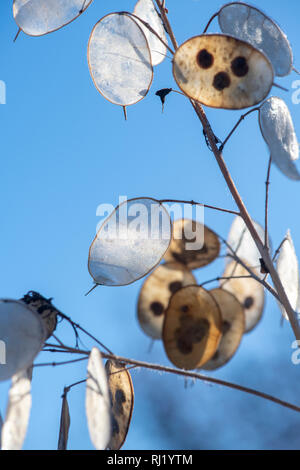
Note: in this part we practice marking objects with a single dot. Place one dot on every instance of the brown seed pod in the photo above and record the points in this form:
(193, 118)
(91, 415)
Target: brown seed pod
(248, 291)
(233, 328)
(193, 244)
(44, 308)
(192, 327)
(155, 295)
(122, 400)
(221, 71)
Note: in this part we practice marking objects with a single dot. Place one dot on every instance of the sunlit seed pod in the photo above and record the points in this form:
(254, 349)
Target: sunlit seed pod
(130, 242)
(44, 308)
(122, 401)
(97, 402)
(287, 267)
(241, 242)
(192, 327)
(193, 244)
(155, 295)
(233, 328)
(252, 25)
(145, 10)
(222, 72)
(39, 17)
(120, 59)
(22, 335)
(249, 292)
(278, 131)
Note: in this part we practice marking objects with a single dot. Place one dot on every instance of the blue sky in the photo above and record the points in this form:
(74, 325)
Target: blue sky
(64, 150)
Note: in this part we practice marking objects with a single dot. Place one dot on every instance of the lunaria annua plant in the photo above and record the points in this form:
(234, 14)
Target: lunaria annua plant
(200, 327)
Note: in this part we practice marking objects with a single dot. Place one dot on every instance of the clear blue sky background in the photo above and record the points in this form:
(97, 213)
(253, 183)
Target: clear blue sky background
(64, 150)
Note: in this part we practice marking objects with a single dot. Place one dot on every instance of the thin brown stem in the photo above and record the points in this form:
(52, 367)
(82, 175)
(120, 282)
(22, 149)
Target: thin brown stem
(236, 126)
(267, 204)
(164, 17)
(17, 35)
(210, 21)
(193, 203)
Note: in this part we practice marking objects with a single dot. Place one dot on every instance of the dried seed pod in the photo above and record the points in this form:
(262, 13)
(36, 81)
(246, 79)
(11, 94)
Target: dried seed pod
(278, 131)
(23, 333)
(251, 25)
(193, 244)
(97, 402)
(122, 400)
(44, 308)
(233, 328)
(248, 291)
(192, 327)
(130, 243)
(120, 59)
(145, 10)
(155, 295)
(222, 72)
(288, 270)
(39, 17)
(64, 426)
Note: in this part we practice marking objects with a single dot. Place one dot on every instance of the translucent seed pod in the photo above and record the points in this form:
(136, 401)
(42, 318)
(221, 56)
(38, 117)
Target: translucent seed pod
(278, 131)
(192, 327)
(155, 295)
(193, 244)
(251, 25)
(22, 335)
(233, 328)
(39, 17)
(145, 10)
(222, 72)
(249, 292)
(122, 401)
(130, 242)
(119, 59)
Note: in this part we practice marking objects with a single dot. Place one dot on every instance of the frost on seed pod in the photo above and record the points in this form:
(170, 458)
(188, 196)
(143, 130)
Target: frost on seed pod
(278, 131)
(233, 328)
(222, 72)
(22, 334)
(288, 270)
(120, 59)
(248, 291)
(155, 295)
(130, 243)
(39, 17)
(193, 244)
(252, 25)
(145, 10)
(192, 327)
(122, 401)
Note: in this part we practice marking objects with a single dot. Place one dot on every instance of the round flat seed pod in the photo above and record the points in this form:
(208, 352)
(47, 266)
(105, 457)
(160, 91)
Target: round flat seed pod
(192, 328)
(44, 308)
(122, 401)
(39, 17)
(252, 25)
(130, 243)
(22, 335)
(120, 59)
(233, 328)
(278, 131)
(249, 293)
(146, 10)
(155, 295)
(222, 72)
(193, 244)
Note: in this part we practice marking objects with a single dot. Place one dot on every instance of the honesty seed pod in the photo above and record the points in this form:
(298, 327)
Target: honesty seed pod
(247, 290)
(44, 308)
(130, 242)
(192, 327)
(122, 400)
(222, 72)
(193, 244)
(119, 59)
(155, 295)
(233, 328)
(39, 17)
